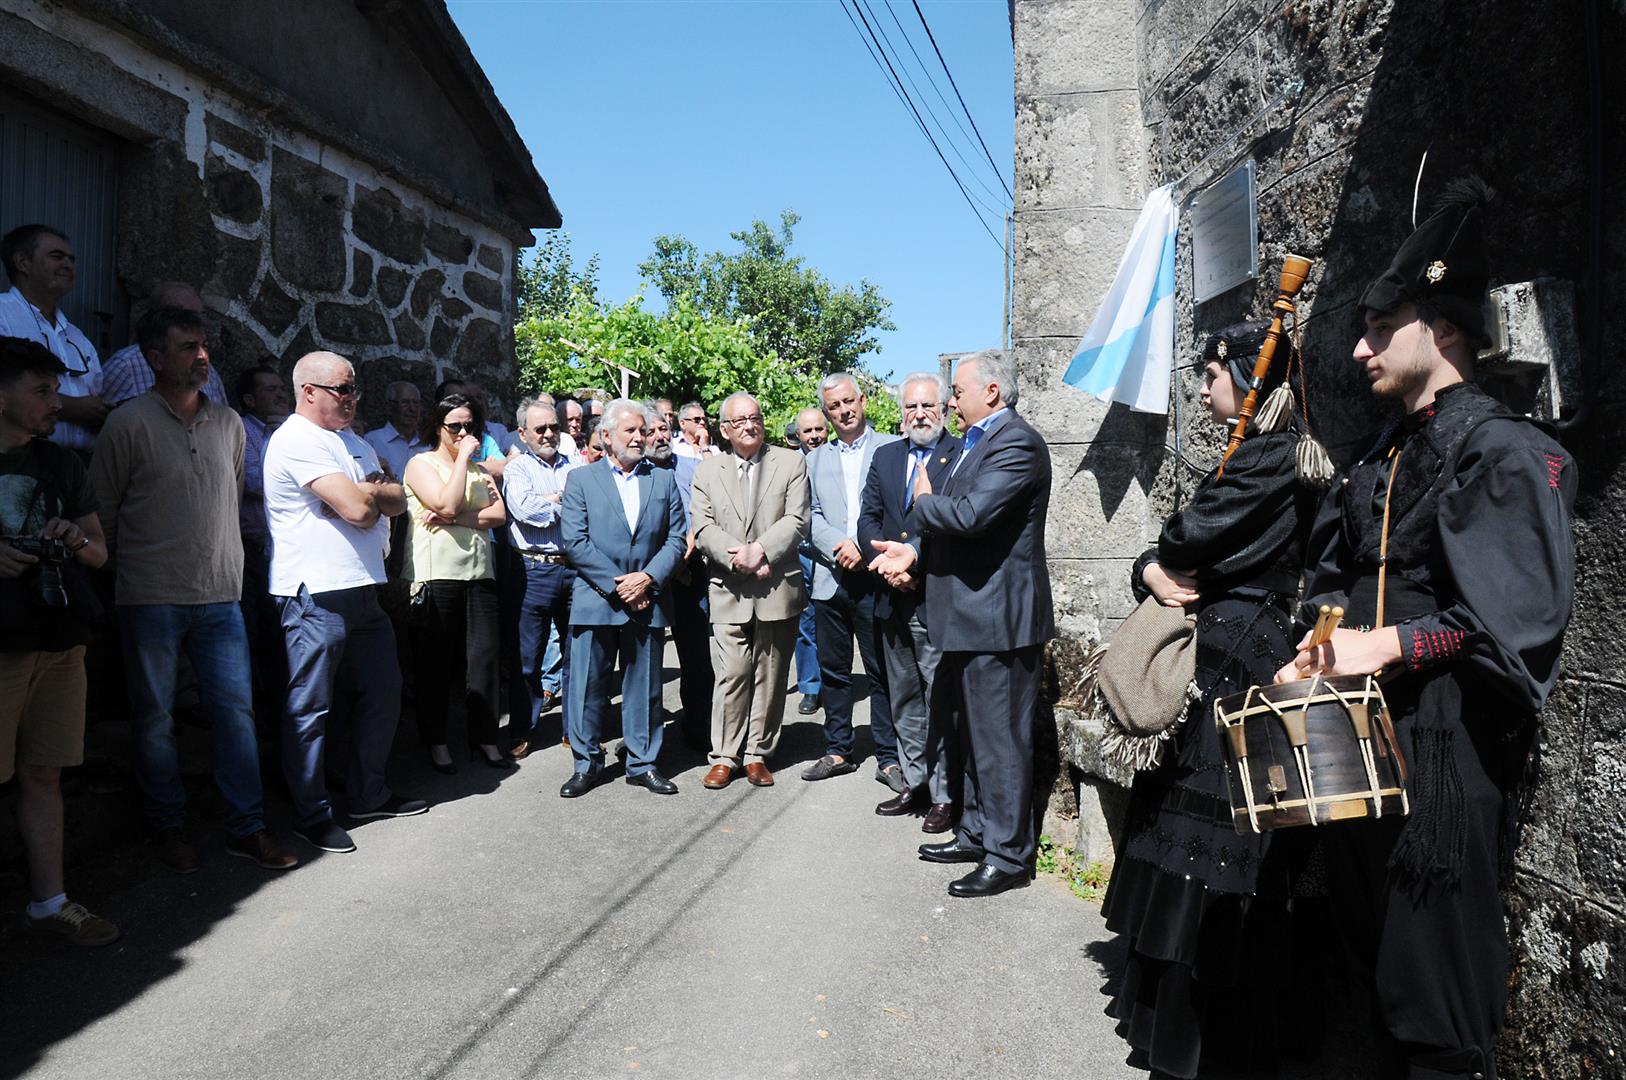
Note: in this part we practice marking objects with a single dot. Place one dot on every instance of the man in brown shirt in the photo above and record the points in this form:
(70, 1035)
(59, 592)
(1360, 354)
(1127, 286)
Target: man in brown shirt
(168, 471)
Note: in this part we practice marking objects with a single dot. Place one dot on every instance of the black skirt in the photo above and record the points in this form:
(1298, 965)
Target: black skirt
(1203, 911)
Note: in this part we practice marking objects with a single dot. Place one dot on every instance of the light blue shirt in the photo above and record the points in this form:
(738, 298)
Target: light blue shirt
(974, 435)
(394, 447)
(534, 519)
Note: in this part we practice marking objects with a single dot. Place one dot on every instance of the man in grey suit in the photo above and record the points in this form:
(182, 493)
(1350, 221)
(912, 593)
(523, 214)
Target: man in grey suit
(843, 590)
(624, 537)
(981, 541)
(749, 513)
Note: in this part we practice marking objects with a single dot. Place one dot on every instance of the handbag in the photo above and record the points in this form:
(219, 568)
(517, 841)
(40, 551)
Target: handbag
(1139, 685)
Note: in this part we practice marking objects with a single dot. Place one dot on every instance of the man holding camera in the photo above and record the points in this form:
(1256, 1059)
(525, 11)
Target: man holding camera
(47, 517)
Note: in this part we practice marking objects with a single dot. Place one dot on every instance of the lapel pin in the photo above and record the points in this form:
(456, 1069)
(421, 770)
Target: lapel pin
(942, 461)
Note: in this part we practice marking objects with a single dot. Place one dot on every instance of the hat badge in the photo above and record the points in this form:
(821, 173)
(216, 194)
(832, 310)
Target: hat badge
(1221, 348)
(1436, 272)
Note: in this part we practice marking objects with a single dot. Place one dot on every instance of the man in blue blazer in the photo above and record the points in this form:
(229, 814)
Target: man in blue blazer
(926, 744)
(980, 537)
(843, 590)
(624, 536)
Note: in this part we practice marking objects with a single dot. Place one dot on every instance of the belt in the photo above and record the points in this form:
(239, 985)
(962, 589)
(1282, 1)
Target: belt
(543, 557)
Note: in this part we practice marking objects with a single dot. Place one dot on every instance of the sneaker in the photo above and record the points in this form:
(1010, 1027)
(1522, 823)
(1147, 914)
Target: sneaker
(174, 850)
(76, 925)
(328, 836)
(394, 806)
(264, 849)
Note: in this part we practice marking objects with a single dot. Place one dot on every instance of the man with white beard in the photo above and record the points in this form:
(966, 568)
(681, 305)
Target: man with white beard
(925, 736)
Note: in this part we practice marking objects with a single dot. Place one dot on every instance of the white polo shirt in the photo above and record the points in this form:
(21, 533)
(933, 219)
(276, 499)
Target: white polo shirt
(322, 552)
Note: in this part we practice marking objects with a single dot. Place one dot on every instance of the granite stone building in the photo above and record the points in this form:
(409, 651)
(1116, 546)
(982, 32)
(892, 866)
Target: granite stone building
(1335, 102)
(330, 173)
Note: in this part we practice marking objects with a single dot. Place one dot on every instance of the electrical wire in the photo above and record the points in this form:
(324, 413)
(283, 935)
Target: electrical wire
(952, 115)
(957, 94)
(897, 86)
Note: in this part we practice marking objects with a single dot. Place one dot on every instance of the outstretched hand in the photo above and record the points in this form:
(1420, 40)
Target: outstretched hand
(894, 561)
(1347, 652)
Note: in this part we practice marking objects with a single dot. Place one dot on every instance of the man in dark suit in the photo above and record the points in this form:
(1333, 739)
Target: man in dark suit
(988, 609)
(924, 736)
(624, 537)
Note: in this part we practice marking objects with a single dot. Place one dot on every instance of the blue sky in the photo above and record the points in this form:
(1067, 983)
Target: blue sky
(694, 117)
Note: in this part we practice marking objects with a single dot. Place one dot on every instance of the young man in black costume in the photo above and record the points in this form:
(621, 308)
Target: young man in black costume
(1466, 506)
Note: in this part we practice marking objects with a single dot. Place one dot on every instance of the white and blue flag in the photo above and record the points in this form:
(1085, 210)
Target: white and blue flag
(1128, 351)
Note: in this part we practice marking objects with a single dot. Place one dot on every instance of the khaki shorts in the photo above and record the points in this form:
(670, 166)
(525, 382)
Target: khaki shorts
(42, 709)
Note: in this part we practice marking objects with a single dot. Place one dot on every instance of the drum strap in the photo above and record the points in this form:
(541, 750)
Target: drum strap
(1383, 544)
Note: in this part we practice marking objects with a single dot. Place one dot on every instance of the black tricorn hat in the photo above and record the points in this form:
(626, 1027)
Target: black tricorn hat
(1236, 346)
(1443, 262)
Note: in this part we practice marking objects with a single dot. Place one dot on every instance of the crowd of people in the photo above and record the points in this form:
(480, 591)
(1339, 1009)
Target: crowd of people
(318, 581)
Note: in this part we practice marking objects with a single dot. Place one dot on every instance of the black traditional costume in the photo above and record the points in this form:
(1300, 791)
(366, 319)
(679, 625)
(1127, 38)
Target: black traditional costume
(1479, 582)
(1193, 898)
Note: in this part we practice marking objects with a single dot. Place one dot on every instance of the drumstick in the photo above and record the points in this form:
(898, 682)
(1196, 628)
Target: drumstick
(1320, 622)
(1324, 626)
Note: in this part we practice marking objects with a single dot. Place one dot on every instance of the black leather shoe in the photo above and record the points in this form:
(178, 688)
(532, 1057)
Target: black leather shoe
(808, 705)
(653, 781)
(898, 805)
(951, 852)
(987, 880)
(579, 784)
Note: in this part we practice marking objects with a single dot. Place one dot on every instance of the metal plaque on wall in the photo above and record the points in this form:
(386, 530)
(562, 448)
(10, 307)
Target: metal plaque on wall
(1225, 235)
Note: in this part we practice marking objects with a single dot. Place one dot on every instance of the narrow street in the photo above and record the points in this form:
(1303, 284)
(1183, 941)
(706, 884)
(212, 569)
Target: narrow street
(784, 931)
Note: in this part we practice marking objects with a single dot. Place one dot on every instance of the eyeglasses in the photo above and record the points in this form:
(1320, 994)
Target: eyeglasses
(539, 428)
(50, 331)
(464, 427)
(349, 389)
(754, 420)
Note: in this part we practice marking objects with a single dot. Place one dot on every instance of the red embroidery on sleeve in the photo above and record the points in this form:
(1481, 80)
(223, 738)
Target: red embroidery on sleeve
(1434, 647)
(1555, 466)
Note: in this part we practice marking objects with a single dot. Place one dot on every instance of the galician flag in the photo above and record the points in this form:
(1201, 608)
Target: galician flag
(1127, 353)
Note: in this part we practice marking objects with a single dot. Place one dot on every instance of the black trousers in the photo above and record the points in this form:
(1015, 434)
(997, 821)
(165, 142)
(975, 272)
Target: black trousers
(850, 614)
(458, 628)
(691, 634)
(995, 700)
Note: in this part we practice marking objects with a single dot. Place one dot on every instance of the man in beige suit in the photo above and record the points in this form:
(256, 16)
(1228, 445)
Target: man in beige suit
(748, 513)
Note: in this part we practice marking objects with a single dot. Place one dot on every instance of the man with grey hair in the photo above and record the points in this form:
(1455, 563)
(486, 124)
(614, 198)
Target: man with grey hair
(329, 523)
(624, 536)
(812, 432)
(843, 591)
(750, 513)
(925, 742)
(399, 440)
(692, 438)
(127, 373)
(537, 599)
(978, 534)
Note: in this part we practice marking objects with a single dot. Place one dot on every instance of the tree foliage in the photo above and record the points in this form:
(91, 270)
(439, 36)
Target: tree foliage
(550, 283)
(795, 311)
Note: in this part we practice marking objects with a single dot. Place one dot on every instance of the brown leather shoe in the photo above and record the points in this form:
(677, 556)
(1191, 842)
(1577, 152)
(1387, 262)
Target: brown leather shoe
(519, 750)
(758, 774)
(264, 849)
(897, 805)
(939, 819)
(718, 777)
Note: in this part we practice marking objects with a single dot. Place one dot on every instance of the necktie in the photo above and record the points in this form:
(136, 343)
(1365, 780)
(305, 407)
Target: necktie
(747, 478)
(917, 462)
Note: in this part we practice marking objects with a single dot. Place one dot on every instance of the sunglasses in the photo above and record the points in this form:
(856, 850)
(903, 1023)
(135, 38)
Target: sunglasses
(348, 389)
(463, 427)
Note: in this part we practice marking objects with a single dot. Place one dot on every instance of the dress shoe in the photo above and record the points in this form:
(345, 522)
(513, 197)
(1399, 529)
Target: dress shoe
(898, 805)
(808, 705)
(939, 818)
(718, 777)
(446, 768)
(490, 755)
(951, 852)
(519, 750)
(987, 880)
(758, 774)
(578, 785)
(653, 781)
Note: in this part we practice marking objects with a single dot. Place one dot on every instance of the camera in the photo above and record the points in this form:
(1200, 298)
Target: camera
(51, 553)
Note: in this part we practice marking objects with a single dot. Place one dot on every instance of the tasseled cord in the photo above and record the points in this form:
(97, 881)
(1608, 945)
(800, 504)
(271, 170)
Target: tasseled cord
(1312, 464)
(1433, 842)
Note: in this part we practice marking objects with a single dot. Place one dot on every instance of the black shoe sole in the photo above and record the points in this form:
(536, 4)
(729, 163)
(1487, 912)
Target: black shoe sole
(637, 782)
(965, 857)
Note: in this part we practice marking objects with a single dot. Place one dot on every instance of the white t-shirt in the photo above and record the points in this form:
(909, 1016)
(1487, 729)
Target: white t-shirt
(321, 552)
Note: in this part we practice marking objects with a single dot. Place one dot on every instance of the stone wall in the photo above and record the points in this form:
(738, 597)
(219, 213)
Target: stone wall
(296, 243)
(1369, 86)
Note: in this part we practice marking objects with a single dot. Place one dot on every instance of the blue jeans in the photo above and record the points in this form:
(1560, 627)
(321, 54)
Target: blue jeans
(807, 652)
(542, 601)
(217, 645)
(339, 643)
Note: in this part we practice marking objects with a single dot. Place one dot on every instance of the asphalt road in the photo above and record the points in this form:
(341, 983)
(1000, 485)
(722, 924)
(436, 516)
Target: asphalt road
(785, 931)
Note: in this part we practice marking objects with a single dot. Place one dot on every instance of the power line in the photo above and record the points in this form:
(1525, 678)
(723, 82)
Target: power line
(942, 129)
(950, 74)
(938, 90)
(897, 85)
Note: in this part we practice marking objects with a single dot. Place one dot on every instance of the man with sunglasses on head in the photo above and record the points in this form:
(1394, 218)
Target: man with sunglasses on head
(328, 532)
(39, 261)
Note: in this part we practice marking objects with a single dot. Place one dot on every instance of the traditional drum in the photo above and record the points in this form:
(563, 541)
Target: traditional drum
(1309, 752)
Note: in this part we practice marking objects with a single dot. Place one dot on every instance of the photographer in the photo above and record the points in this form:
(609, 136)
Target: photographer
(51, 535)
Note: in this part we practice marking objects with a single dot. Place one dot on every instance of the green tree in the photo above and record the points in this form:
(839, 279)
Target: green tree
(796, 312)
(550, 283)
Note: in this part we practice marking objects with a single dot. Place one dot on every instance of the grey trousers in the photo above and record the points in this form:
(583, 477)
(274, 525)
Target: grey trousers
(926, 740)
